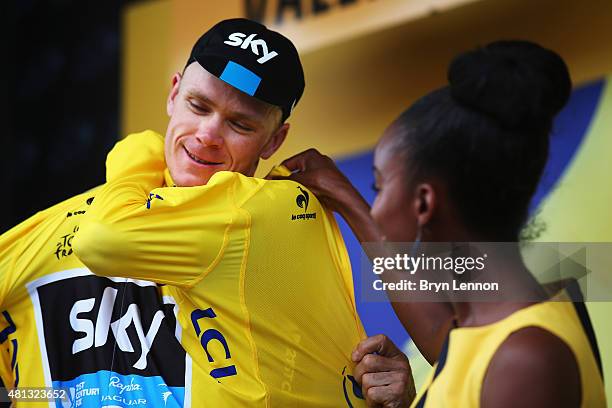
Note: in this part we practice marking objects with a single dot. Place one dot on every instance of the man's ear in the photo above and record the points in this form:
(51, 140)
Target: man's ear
(275, 141)
(176, 82)
(424, 204)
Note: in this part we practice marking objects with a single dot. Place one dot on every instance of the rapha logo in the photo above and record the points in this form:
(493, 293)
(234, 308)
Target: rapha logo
(132, 386)
(239, 40)
(302, 201)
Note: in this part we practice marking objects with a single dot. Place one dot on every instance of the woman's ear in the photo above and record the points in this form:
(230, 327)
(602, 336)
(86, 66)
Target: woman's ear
(424, 204)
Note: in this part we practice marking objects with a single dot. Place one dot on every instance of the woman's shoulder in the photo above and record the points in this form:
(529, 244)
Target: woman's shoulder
(537, 361)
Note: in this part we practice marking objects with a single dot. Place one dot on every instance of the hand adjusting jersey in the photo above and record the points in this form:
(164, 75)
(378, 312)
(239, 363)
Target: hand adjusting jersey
(259, 271)
(106, 341)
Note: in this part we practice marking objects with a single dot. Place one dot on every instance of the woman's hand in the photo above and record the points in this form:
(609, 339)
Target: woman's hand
(320, 175)
(384, 373)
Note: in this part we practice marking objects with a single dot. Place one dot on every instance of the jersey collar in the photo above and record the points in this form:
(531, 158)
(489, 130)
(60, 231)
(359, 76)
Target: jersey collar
(168, 179)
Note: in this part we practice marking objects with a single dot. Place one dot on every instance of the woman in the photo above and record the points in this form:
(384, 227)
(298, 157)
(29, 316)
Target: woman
(461, 165)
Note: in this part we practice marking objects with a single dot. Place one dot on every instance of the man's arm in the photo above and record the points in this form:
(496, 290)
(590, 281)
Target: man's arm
(168, 235)
(137, 229)
(138, 153)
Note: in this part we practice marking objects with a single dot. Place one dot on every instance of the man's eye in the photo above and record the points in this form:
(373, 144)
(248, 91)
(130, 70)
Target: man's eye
(375, 188)
(196, 107)
(241, 126)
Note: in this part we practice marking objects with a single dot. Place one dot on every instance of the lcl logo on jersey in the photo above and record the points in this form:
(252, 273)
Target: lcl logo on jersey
(239, 40)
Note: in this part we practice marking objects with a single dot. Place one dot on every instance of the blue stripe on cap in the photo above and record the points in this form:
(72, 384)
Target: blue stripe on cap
(239, 77)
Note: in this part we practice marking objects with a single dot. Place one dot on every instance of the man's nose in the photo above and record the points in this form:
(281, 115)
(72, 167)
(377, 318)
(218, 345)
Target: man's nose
(209, 131)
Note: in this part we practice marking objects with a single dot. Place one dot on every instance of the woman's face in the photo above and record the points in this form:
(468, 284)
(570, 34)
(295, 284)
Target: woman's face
(392, 208)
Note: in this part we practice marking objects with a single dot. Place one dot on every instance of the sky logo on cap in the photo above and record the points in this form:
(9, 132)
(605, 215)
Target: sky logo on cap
(241, 78)
(237, 39)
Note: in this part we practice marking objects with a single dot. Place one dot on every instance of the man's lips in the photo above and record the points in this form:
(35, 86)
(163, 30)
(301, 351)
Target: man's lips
(200, 161)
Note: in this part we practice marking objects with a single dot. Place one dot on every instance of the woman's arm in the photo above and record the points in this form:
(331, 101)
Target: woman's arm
(427, 323)
(532, 368)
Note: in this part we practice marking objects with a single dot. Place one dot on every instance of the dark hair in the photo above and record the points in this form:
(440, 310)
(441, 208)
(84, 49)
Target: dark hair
(486, 134)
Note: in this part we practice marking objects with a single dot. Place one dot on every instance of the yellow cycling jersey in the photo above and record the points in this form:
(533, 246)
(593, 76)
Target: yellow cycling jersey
(98, 341)
(456, 379)
(259, 271)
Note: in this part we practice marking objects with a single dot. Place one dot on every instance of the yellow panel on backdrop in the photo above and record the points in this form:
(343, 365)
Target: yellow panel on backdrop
(578, 210)
(146, 72)
(356, 86)
(191, 18)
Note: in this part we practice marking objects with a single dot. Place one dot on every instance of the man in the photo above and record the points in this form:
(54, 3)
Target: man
(258, 268)
(112, 340)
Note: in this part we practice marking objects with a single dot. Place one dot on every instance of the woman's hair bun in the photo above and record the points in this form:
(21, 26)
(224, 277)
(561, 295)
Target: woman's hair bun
(518, 83)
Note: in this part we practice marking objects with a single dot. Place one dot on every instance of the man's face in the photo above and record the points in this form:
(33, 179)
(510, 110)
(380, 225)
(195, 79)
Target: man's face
(214, 127)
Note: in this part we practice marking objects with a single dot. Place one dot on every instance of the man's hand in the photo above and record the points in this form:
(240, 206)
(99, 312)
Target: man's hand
(384, 373)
